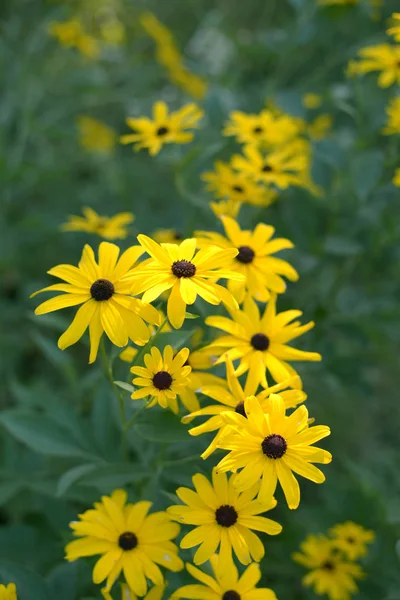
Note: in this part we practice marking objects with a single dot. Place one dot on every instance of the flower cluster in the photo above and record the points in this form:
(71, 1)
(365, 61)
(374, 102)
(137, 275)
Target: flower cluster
(109, 228)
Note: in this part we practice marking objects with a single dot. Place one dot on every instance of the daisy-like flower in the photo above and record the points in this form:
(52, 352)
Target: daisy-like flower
(177, 268)
(103, 289)
(109, 228)
(164, 128)
(261, 342)
(282, 167)
(163, 377)
(224, 518)
(167, 236)
(226, 208)
(226, 583)
(128, 539)
(396, 178)
(156, 593)
(8, 592)
(312, 101)
(329, 573)
(128, 354)
(393, 113)
(226, 183)
(263, 130)
(394, 30)
(200, 361)
(272, 446)
(232, 400)
(382, 57)
(320, 127)
(96, 136)
(261, 270)
(351, 539)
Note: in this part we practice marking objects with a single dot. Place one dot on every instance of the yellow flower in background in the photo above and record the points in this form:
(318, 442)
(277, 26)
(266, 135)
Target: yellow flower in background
(396, 178)
(156, 593)
(332, 2)
(394, 30)
(382, 57)
(260, 342)
(165, 128)
(272, 446)
(393, 113)
(167, 236)
(199, 360)
(128, 539)
(226, 208)
(104, 292)
(129, 353)
(95, 136)
(71, 34)
(226, 583)
(254, 260)
(351, 539)
(110, 228)
(225, 182)
(320, 127)
(232, 400)
(263, 130)
(329, 573)
(186, 273)
(163, 377)
(224, 519)
(8, 592)
(312, 101)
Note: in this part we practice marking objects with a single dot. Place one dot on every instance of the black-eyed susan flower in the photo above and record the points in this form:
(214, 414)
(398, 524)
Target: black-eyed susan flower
(126, 593)
(260, 342)
(8, 592)
(128, 354)
(263, 130)
(320, 127)
(226, 208)
(164, 128)
(272, 446)
(109, 228)
(225, 584)
(129, 541)
(383, 58)
(254, 260)
(200, 361)
(103, 289)
(167, 236)
(232, 399)
(224, 519)
(187, 274)
(163, 377)
(394, 30)
(351, 539)
(393, 121)
(329, 573)
(96, 136)
(396, 178)
(71, 34)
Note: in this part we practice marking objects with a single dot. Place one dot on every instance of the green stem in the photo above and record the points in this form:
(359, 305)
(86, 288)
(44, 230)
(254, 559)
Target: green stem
(150, 343)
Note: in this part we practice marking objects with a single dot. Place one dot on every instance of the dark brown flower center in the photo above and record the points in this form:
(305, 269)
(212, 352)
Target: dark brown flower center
(127, 540)
(246, 255)
(238, 188)
(257, 130)
(231, 595)
(162, 380)
(266, 168)
(178, 236)
(328, 566)
(162, 131)
(226, 515)
(240, 409)
(259, 341)
(102, 289)
(351, 540)
(274, 446)
(183, 268)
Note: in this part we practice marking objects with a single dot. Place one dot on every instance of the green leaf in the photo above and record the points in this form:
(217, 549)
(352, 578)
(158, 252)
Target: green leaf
(161, 427)
(30, 586)
(125, 386)
(108, 477)
(72, 476)
(341, 246)
(366, 170)
(189, 315)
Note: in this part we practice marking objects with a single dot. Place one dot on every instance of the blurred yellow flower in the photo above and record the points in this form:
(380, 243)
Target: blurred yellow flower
(164, 128)
(167, 236)
(96, 136)
(394, 30)
(312, 101)
(226, 208)
(332, 2)
(109, 228)
(396, 178)
(71, 34)
(393, 113)
(156, 593)
(382, 57)
(351, 539)
(263, 130)
(8, 592)
(320, 127)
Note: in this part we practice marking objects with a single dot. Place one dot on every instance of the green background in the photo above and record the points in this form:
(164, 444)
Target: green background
(59, 427)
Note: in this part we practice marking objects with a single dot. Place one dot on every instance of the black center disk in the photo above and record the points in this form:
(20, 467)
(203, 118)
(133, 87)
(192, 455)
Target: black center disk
(127, 540)
(259, 341)
(246, 255)
(162, 131)
(266, 168)
(178, 236)
(102, 289)
(162, 380)
(328, 566)
(183, 268)
(231, 595)
(226, 515)
(351, 540)
(257, 130)
(240, 409)
(274, 446)
(238, 188)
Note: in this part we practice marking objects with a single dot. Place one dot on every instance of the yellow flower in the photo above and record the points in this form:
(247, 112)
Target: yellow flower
(312, 101)
(329, 573)
(191, 83)
(224, 518)
(237, 187)
(129, 353)
(263, 130)
(167, 236)
(8, 592)
(394, 30)
(112, 31)
(232, 400)
(128, 539)
(382, 57)
(261, 343)
(272, 446)
(199, 360)
(226, 208)
(177, 268)
(103, 289)
(351, 539)
(396, 178)
(155, 29)
(393, 113)
(110, 228)
(164, 128)
(282, 167)
(95, 136)
(163, 377)
(71, 34)
(332, 2)
(254, 260)
(225, 584)
(89, 47)
(320, 127)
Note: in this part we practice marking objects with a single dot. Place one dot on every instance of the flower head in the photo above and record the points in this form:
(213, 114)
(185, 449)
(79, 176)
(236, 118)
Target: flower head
(177, 268)
(103, 289)
(163, 377)
(396, 178)
(382, 57)
(312, 101)
(226, 208)
(393, 113)
(394, 30)
(272, 446)
(329, 573)
(128, 540)
(8, 592)
(156, 593)
(164, 128)
(254, 260)
(260, 342)
(320, 127)
(263, 130)
(96, 136)
(226, 583)
(71, 34)
(224, 518)
(351, 539)
(167, 236)
(109, 228)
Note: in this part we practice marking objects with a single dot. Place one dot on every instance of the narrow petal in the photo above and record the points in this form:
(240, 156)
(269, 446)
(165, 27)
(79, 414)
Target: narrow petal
(79, 325)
